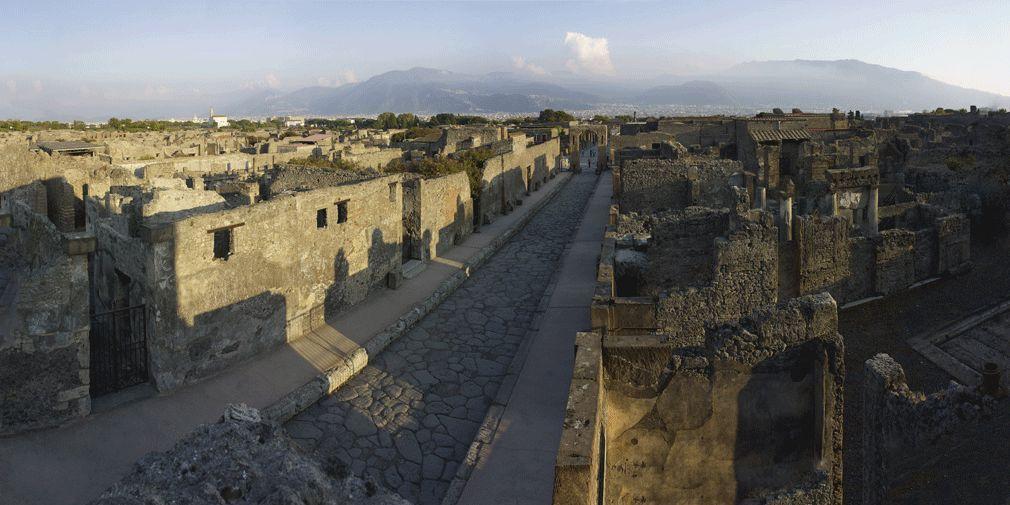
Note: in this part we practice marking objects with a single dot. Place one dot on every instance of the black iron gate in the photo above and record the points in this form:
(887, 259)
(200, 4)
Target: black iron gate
(118, 349)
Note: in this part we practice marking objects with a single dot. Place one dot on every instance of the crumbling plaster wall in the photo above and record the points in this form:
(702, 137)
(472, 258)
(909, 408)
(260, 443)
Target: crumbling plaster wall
(44, 345)
(752, 412)
(285, 274)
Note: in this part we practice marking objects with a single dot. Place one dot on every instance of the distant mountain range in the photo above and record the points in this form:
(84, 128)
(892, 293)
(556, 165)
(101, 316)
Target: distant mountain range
(420, 90)
(806, 84)
(847, 84)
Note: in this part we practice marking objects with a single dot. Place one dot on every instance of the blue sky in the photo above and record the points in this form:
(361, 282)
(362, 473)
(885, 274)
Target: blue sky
(222, 44)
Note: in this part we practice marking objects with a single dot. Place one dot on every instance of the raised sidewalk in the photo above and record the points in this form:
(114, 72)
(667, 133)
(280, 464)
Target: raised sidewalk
(75, 463)
(512, 461)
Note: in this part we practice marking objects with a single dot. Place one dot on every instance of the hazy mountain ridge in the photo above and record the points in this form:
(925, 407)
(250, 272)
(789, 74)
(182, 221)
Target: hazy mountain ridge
(807, 84)
(422, 90)
(848, 84)
(814, 84)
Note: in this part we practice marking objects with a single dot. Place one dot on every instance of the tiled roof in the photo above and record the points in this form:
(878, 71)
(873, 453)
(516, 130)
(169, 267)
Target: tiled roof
(773, 135)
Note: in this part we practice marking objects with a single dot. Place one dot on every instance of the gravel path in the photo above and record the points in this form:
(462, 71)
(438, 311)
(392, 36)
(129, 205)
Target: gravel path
(407, 420)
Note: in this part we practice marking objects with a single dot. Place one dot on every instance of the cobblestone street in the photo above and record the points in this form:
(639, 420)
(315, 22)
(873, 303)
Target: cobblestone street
(407, 420)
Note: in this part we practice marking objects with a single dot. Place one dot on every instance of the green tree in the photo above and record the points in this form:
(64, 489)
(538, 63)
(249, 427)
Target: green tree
(407, 120)
(386, 121)
(555, 116)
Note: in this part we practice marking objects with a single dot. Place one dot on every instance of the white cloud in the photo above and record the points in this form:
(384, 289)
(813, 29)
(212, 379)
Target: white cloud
(590, 55)
(37, 86)
(12, 86)
(348, 77)
(272, 81)
(520, 63)
(345, 77)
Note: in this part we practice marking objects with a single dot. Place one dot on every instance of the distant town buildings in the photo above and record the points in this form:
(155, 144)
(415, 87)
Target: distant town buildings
(217, 120)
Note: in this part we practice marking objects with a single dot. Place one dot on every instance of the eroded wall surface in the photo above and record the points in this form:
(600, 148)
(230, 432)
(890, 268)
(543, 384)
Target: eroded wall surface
(44, 351)
(287, 272)
(742, 275)
(898, 423)
(753, 412)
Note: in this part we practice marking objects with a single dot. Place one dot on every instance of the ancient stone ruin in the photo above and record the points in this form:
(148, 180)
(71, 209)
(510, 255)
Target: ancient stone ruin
(784, 308)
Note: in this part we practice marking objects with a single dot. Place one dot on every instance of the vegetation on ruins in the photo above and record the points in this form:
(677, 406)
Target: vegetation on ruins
(958, 163)
(414, 133)
(326, 164)
(470, 161)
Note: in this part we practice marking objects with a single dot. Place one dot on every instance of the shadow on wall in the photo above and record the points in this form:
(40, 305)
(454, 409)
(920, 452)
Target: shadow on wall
(182, 353)
(779, 435)
(44, 311)
(348, 289)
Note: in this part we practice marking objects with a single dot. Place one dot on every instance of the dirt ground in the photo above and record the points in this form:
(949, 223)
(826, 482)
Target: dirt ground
(962, 466)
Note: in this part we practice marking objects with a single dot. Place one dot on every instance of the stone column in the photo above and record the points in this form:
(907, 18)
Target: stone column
(786, 219)
(760, 200)
(834, 204)
(871, 212)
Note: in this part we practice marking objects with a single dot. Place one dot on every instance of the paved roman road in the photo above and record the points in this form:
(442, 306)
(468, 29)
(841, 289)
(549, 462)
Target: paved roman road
(407, 420)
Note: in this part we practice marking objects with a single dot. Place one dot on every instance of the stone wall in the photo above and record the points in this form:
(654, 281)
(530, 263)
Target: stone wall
(376, 159)
(290, 178)
(953, 242)
(509, 176)
(44, 350)
(444, 213)
(458, 138)
(743, 274)
(55, 185)
(288, 268)
(654, 185)
(895, 261)
(899, 422)
(704, 131)
(754, 412)
(852, 267)
(829, 259)
(235, 162)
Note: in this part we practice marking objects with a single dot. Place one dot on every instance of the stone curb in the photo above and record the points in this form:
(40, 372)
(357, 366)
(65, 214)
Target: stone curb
(489, 426)
(328, 381)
